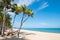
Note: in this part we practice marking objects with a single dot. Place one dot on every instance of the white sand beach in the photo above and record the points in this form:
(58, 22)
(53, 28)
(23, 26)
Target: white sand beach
(34, 35)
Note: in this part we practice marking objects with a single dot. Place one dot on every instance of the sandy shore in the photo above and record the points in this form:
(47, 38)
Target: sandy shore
(34, 35)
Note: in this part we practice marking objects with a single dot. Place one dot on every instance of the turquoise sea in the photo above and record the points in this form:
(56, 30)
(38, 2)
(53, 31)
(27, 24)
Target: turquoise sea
(51, 30)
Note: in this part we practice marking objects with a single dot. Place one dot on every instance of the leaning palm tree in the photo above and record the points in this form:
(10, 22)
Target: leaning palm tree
(25, 12)
(4, 5)
(17, 9)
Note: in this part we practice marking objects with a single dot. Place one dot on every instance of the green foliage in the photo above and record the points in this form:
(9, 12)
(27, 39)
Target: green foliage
(7, 21)
(14, 8)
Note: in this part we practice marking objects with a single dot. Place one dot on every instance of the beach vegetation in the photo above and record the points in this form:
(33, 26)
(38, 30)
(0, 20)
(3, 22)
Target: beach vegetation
(5, 6)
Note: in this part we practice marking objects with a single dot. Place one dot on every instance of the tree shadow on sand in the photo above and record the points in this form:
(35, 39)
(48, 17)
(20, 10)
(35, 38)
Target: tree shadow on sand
(27, 33)
(14, 38)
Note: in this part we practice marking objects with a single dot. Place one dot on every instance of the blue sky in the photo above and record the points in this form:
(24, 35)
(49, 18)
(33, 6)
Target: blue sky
(46, 14)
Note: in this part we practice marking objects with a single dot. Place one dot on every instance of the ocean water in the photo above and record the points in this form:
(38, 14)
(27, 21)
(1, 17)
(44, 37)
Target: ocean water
(51, 30)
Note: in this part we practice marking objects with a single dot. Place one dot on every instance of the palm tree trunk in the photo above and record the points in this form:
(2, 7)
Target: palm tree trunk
(21, 25)
(14, 20)
(3, 26)
(25, 19)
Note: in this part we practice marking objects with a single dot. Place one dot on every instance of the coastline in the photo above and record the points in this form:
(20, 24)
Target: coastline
(35, 35)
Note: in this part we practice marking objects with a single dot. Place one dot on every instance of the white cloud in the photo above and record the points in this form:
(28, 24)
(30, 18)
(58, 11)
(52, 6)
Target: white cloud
(26, 2)
(44, 5)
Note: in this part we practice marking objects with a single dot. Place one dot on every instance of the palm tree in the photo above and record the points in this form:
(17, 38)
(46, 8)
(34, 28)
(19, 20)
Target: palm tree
(7, 21)
(17, 9)
(26, 12)
(21, 9)
(4, 4)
